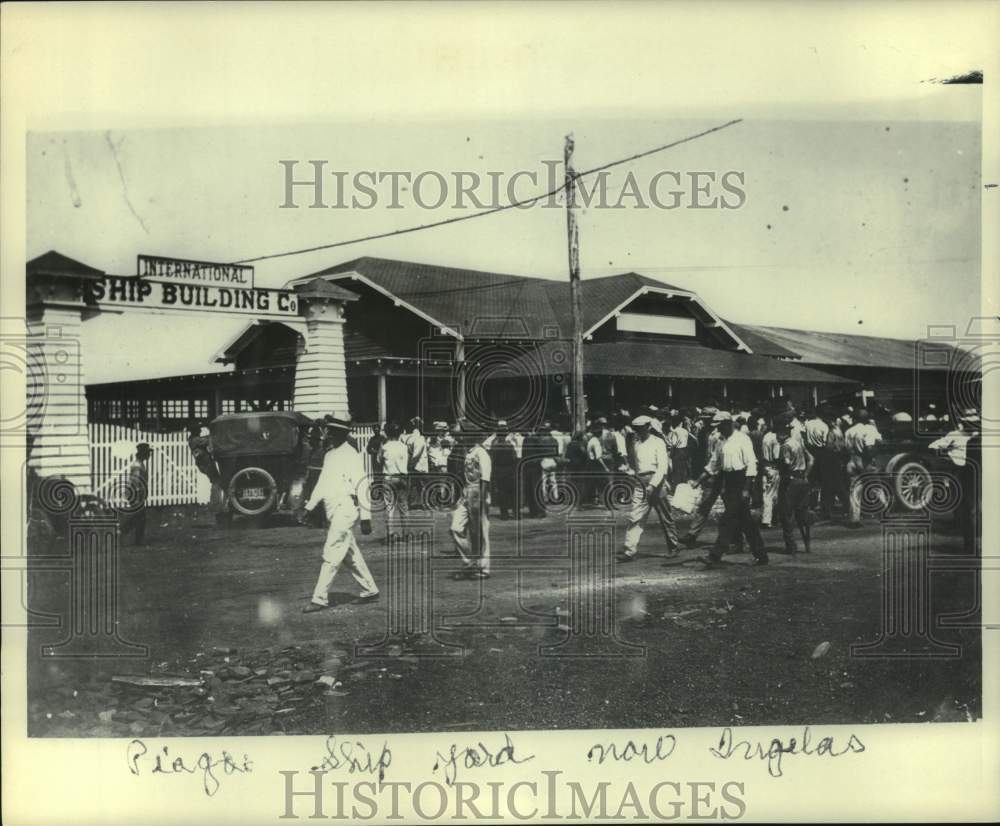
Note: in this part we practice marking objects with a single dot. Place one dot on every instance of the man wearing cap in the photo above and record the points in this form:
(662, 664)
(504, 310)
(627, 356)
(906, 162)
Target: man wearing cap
(734, 461)
(339, 489)
(651, 467)
(860, 439)
(470, 521)
(794, 464)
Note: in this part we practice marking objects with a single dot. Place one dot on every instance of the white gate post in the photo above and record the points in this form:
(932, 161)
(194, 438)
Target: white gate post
(58, 441)
(321, 369)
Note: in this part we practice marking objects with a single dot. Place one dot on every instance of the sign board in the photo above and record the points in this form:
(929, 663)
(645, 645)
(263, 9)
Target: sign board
(118, 293)
(184, 271)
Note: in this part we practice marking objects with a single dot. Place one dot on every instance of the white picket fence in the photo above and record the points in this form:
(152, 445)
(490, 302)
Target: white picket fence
(174, 479)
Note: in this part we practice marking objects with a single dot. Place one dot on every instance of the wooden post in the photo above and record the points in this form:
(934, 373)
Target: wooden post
(383, 399)
(575, 293)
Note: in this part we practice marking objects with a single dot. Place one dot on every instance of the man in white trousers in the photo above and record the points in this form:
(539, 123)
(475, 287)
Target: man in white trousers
(651, 467)
(338, 489)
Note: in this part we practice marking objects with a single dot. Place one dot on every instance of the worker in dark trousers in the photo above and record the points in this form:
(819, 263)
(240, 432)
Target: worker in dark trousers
(794, 464)
(137, 493)
(735, 462)
(503, 456)
(712, 483)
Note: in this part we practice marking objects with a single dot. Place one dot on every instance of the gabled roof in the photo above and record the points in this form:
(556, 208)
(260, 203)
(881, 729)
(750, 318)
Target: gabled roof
(476, 304)
(55, 263)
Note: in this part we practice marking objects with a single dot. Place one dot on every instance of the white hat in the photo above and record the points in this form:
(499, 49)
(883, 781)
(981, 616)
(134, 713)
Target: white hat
(721, 416)
(641, 421)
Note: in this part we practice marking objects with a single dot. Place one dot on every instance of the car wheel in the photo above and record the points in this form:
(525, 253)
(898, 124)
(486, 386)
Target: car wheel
(252, 491)
(912, 483)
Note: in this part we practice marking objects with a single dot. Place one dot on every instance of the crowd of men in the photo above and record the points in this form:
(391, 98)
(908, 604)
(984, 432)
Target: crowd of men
(793, 465)
(778, 467)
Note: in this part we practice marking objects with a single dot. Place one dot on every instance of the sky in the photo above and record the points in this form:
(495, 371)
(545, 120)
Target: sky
(862, 180)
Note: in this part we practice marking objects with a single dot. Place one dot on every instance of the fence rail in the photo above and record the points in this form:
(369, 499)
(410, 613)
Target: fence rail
(174, 479)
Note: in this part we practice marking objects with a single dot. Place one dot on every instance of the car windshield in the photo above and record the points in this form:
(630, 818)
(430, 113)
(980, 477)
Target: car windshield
(254, 434)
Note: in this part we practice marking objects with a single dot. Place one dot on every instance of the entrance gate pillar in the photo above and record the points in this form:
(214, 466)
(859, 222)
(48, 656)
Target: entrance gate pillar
(56, 404)
(321, 369)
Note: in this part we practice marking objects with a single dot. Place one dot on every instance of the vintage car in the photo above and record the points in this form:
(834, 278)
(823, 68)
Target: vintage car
(262, 459)
(904, 455)
(911, 466)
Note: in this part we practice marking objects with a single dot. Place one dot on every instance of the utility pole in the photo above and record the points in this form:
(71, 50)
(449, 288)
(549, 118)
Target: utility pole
(576, 298)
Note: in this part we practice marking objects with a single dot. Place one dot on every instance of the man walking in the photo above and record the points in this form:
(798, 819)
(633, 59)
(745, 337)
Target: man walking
(651, 468)
(735, 462)
(711, 494)
(338, 489)
(470, 521)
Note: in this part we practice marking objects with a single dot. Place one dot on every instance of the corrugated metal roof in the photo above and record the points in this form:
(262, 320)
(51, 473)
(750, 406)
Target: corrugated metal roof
(845, 350)
(762, 345)
(670, 361)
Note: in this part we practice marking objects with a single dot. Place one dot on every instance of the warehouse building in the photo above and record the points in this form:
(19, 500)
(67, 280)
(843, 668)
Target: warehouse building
(428, 340)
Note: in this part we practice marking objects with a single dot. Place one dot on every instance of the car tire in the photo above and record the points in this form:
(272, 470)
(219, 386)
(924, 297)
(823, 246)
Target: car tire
(257, 478)
(912, 484)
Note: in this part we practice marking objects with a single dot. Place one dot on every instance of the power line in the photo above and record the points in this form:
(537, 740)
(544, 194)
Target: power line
(514, 204)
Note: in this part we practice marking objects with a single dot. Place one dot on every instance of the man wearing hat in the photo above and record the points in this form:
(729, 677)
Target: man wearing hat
(470, 521)
(735, 462)
(339, 489)
(651, 467)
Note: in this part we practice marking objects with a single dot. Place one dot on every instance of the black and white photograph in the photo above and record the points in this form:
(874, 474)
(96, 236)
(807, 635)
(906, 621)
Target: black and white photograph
(637, 420)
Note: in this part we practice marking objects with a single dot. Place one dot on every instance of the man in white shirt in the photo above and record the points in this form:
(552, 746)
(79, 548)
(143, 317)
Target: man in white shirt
(954, 444)
(338, 488)
(470, 521)
(395, 459)
(416, 444)
(651, 467)
(771, 453)
(734, 459)
(815, 434)
(860, 439)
